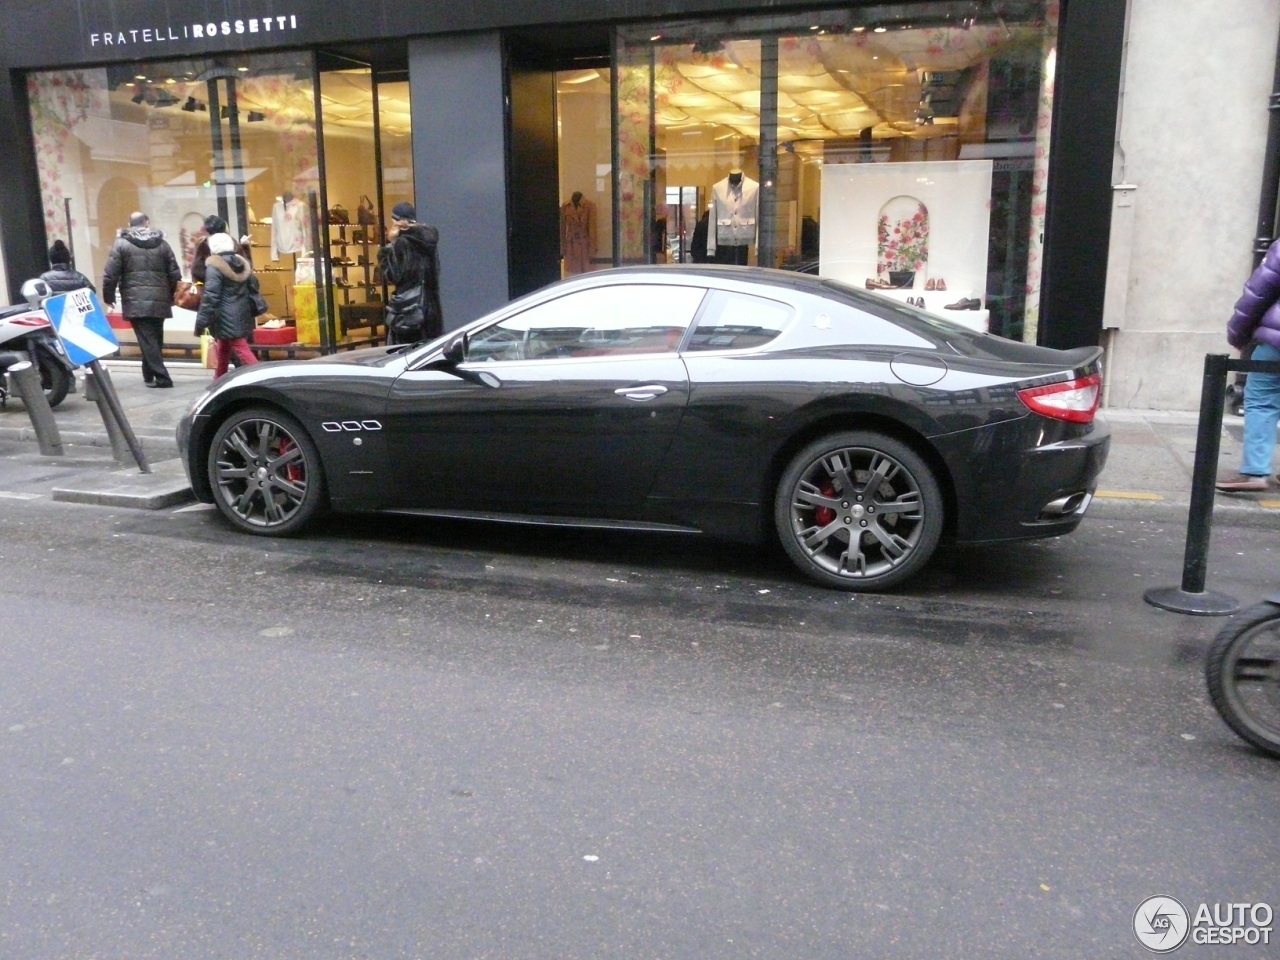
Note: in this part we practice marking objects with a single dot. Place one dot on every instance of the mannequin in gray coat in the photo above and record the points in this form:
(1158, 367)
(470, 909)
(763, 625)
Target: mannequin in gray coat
(142, 267)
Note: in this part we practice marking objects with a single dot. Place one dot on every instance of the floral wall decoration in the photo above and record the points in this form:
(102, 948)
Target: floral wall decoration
(902, 236)
(1040, 176)
(61, 101)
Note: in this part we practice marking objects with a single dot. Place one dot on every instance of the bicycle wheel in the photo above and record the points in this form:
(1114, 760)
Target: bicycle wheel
(1243, 674)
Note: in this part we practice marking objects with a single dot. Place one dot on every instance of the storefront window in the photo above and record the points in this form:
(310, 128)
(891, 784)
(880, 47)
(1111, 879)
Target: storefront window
(180, 140)
(234, 136)
(584, 138)
(900, 148)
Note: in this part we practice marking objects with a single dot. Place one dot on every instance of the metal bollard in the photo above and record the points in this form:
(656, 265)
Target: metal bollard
(119, 446)
(1191, 597)
(26, 378)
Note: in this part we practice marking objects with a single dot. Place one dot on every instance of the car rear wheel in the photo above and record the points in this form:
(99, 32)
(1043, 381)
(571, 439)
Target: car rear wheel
(859, 511)
(265, 472)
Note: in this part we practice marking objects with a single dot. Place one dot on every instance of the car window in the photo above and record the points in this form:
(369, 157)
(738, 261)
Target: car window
(739, 321)
(599, 322)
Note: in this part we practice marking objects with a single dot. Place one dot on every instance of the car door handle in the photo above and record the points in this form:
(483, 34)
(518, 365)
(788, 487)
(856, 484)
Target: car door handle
(647, 392)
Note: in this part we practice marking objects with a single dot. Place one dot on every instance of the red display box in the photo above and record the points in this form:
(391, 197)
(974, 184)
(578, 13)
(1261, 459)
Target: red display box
(273, 336)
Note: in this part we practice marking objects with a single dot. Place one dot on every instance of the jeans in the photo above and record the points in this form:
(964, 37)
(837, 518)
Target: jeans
(1261, 414)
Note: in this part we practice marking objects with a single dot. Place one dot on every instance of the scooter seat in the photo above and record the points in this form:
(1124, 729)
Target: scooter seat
(14, 310)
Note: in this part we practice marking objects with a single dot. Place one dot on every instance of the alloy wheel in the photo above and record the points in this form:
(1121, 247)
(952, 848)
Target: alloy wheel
(859, 512)
(265, 473)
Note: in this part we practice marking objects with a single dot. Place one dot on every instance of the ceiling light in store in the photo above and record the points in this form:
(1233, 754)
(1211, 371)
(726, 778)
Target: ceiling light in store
(140, 77)
(880, 30)
(859, 29)
(243, 69)
(655, 38)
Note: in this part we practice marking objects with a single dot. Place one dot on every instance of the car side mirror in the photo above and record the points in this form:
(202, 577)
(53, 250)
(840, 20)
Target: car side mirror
(455, 351)
(452, 358)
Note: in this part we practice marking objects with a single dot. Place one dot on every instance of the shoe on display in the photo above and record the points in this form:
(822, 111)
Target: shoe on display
(941, 285)
(1242, 483)
(931, 284)
(965, 303)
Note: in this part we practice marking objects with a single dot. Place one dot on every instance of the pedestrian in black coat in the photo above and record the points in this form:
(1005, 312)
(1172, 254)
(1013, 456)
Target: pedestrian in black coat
(142, 268)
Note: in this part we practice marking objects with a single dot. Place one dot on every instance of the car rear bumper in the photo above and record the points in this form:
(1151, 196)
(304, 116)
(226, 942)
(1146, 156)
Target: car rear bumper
(1041, 487)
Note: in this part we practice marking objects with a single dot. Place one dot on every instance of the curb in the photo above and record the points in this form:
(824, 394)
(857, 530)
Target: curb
(156, 500)
(1225, 514)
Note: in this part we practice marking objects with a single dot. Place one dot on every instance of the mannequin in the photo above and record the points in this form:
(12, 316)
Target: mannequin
(735, 202)
(288, 226)
(577, 234)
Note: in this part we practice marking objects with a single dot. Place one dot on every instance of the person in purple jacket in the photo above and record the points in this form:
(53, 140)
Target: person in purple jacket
(1256, 320)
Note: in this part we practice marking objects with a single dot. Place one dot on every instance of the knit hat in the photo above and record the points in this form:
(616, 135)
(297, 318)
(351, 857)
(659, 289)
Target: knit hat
(404, 211)
(58, 253)
(221, 243)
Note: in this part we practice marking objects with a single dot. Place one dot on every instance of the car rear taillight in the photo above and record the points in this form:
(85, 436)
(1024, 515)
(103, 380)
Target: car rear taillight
(1075, 401)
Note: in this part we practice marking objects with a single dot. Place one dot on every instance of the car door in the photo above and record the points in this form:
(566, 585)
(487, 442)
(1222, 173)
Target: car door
(590, 392)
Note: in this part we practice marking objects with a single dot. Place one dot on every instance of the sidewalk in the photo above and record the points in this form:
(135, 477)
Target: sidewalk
(1148, 472)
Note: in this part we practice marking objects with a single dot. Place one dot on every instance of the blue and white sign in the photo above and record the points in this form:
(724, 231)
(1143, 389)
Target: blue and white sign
(82, 326)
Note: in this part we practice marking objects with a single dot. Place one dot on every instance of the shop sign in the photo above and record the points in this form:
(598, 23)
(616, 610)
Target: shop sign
(205, 30)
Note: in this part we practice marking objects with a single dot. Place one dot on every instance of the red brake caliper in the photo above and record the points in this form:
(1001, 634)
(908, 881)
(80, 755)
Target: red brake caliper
(824, 515)
(294, 470)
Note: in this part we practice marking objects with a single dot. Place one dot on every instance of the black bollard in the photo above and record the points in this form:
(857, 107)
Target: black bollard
(1191, 597)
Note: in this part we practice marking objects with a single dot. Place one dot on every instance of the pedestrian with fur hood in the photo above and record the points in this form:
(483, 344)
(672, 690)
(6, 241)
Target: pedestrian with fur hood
(1256, 321)
(213, 224)
(227, 308)
(63, 277)
(141, 267)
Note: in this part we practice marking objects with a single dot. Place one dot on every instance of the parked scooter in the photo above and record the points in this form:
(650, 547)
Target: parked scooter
(26, 328)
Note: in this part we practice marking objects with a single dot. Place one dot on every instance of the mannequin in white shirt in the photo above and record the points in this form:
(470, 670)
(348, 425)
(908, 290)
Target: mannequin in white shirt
(735, 202)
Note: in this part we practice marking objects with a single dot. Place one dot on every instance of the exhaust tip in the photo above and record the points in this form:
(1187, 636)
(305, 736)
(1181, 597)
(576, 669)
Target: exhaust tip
(1063, 506)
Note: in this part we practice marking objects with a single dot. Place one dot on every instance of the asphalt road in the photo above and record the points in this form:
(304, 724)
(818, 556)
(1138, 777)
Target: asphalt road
(419, 739)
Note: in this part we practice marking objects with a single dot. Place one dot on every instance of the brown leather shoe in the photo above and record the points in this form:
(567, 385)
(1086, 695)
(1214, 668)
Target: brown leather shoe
(1242, 483)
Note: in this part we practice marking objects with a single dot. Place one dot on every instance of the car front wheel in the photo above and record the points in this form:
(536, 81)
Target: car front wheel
(858, 511)
(265, 472)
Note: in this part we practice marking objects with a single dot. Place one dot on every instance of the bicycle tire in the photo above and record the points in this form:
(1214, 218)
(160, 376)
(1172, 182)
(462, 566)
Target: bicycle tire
(1223, 672)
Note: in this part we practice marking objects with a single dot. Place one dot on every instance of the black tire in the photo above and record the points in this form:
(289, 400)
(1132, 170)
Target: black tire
(265, 472)
(55, 379)
(866, 482)
(1243, 674)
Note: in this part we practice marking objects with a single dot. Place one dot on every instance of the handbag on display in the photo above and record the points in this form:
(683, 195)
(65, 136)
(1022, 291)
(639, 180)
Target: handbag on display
(338, 214)
(187, 295)
(364, 213)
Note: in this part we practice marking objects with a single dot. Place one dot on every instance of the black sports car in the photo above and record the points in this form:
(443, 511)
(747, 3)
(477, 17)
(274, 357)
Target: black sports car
(729, 401)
